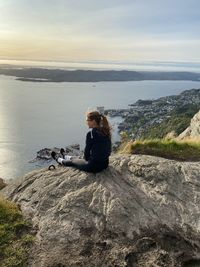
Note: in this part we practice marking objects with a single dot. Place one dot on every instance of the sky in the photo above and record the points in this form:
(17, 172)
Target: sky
(106, 30)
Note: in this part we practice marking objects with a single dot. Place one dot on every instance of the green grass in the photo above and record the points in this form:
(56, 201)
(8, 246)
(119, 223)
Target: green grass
(171, 149)
(15, 240)
(193, 263)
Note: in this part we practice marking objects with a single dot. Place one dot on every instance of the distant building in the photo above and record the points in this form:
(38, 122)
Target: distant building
(100, 110)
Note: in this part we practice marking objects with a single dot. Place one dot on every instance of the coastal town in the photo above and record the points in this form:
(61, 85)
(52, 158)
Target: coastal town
(139, 116)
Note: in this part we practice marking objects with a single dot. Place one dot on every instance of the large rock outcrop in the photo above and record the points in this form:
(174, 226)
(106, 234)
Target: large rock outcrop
(142, 211)
(193, 131)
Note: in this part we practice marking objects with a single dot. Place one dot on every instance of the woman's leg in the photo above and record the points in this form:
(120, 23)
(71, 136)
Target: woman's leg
(89, 166)
(73, 161)
(81, 164)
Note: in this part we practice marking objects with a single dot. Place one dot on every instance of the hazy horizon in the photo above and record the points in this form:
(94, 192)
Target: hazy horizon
(107, 65)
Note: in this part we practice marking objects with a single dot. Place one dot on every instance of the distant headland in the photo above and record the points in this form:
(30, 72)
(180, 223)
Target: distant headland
(60, 75)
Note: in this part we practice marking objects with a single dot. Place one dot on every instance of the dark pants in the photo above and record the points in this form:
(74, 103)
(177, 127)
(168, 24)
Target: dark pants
(87, 166)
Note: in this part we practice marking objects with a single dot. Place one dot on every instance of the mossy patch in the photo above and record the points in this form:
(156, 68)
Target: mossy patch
(15, 237)
(171, 149)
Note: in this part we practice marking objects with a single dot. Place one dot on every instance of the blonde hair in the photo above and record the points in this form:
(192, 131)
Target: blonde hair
(101, 121)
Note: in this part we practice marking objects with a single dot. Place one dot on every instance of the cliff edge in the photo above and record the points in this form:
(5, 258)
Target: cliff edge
(141, 211)
(193, 130)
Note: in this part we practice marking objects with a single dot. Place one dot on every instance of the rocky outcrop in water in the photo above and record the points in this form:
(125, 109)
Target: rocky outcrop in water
(45, 153)
(193, 131)
(142, 211)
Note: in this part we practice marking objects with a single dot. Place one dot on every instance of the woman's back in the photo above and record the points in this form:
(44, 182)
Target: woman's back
(98, 146)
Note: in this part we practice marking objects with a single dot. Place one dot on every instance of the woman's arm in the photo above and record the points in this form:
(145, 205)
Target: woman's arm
(89, 143)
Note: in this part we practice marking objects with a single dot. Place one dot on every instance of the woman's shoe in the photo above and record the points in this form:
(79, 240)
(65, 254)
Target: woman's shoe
(54, 155)
(62, 152)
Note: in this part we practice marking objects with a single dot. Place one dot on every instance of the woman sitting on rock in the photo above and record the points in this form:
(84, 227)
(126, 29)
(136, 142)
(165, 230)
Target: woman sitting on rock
(97, 149)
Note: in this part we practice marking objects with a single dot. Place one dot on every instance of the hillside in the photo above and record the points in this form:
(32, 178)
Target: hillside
(155, 118)
(179, 119)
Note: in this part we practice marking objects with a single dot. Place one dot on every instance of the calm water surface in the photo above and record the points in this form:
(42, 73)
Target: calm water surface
(38, 115)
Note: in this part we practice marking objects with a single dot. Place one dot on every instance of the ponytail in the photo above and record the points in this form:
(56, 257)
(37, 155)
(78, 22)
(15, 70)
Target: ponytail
(105, 127)
(101, 121)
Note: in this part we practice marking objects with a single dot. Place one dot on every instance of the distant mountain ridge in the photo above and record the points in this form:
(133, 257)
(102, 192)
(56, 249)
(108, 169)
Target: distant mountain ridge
(60, 75)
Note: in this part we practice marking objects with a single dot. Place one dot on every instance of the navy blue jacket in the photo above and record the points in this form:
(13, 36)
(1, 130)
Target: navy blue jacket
(98, 146)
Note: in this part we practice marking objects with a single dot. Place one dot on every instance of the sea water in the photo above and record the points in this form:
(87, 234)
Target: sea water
(35, 115)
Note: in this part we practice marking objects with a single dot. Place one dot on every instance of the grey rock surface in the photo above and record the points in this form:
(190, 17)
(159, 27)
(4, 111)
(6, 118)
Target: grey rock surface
(193, 131)
(143, 211)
